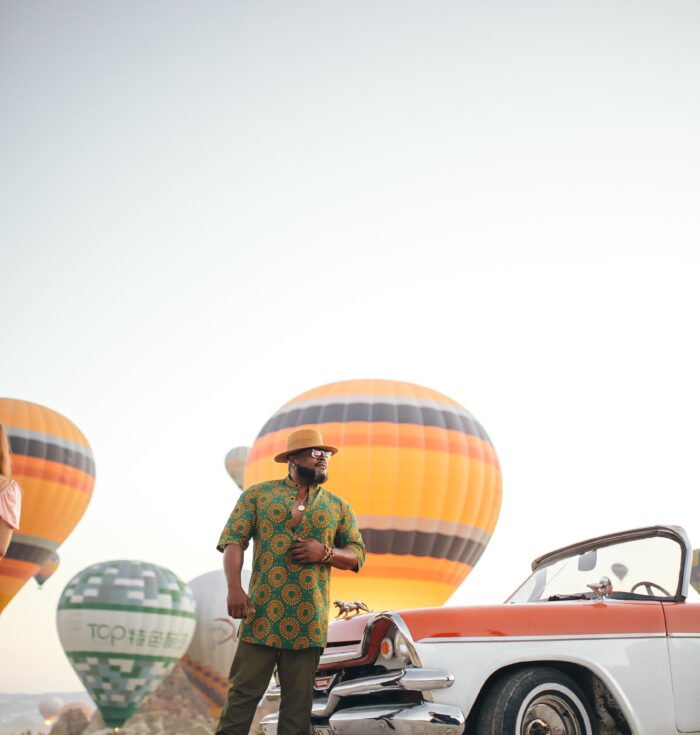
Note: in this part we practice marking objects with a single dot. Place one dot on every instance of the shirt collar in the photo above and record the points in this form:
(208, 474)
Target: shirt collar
(294, 486)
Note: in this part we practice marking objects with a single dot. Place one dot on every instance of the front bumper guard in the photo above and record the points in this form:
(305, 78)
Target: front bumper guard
(418, 719)
(414, 718)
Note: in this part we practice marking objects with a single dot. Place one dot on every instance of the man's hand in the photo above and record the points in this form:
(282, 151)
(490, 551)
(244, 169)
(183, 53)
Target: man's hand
(239, 604)
(307, 551)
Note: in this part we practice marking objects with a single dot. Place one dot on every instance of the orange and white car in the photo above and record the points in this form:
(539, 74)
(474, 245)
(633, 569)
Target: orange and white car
(601, 638)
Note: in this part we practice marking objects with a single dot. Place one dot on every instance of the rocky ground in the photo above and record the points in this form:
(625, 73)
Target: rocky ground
(173, 709)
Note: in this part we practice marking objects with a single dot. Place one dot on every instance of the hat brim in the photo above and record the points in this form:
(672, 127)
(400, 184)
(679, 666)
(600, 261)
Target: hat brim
(282, 456)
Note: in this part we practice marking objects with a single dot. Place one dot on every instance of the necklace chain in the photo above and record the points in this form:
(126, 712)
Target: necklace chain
(302, 502)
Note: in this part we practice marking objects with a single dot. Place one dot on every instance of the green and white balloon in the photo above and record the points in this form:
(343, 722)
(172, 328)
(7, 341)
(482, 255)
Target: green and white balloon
(124, 625)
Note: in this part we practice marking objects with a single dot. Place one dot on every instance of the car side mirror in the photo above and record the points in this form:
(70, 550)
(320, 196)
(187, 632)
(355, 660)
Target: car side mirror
(602, 589)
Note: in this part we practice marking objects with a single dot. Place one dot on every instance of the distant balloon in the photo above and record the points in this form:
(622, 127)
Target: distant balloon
(695, 571)
(208, 659)
(620, 571)
(49, 567)
(52, 462)
(235, 464)
(123, 626)
(420, 473)
(50, 708)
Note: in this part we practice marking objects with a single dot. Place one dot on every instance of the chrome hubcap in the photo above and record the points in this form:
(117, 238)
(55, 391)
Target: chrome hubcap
(550, 715)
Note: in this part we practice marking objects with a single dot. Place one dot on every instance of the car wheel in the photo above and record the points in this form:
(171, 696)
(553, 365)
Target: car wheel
(535, 701)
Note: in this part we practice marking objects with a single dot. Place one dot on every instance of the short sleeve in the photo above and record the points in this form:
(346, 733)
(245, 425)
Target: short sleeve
(241, 524)
(348, 535)
(11, 504)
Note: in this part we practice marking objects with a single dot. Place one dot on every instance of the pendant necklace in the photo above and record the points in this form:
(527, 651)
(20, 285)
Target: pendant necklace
(301, 507)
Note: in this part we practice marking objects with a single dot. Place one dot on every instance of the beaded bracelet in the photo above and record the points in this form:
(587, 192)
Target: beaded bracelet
(327, 554)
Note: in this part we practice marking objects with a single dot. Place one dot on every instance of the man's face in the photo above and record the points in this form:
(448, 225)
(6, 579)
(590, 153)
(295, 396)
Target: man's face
(309, 467)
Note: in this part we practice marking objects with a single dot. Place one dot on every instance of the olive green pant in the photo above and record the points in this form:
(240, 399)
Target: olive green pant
(251, 671)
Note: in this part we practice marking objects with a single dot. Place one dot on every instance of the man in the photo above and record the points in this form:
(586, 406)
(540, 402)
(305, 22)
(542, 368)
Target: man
(301, 530)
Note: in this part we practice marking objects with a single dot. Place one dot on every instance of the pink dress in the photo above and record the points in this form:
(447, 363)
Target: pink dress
(10, 502)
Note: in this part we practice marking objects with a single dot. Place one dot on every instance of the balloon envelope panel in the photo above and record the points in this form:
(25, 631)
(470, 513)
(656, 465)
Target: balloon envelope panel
(53, 464)
(235, 464)
(208, 659)
(420, 473)
(124, 625)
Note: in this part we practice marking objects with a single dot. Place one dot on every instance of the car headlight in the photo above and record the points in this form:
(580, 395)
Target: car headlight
(393, 650)
(386, 648)
(401, 650)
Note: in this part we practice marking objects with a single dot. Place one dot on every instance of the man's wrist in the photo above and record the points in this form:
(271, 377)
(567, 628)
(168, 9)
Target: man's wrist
(327, 554)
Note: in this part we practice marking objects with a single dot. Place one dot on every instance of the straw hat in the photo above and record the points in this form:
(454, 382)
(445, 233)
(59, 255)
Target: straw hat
(303, 439)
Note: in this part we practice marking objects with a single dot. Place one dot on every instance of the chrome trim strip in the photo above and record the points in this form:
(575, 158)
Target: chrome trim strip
(368, 684)
(398, 621)
(533, 638)
(422, 679)
(334, 658)
(323, 707)
(684, 635)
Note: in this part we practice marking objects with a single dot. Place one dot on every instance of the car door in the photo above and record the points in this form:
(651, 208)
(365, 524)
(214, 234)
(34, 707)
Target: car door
(683, 630)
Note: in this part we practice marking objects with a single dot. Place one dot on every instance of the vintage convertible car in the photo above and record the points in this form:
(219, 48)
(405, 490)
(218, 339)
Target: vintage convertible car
(600, 638)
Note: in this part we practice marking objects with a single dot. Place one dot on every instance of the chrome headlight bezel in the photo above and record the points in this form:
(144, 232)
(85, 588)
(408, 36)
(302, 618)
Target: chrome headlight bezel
(394, 652)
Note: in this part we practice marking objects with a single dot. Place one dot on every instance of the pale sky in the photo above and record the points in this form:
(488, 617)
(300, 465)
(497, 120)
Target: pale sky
(208, 208)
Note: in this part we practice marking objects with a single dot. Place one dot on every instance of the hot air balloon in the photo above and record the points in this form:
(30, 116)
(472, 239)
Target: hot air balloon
(50, 708)
(420, 473)
(52, 462)
(235, 464)
(124, 625)
(695, 571)
(49, 567)
(208, 659)
(620, 570)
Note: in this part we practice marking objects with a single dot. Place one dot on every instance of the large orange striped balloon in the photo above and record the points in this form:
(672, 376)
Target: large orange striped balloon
(420, 473)
(52, 462)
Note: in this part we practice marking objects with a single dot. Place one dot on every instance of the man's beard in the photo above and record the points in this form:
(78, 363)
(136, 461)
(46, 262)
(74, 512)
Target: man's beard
(309, 474)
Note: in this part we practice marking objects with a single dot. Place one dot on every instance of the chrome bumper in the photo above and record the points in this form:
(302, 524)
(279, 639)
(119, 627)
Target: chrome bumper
(419, 719)
(410, 718)
(426, 718)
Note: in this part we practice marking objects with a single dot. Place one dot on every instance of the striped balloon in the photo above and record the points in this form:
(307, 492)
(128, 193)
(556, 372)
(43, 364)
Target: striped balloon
(52, 462)
(420, 473)
(124, 625)
(235, 464)
(208, 659)
(49, 567)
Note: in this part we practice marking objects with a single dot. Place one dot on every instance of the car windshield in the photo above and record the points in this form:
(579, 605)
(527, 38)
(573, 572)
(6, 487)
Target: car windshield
(637, 569)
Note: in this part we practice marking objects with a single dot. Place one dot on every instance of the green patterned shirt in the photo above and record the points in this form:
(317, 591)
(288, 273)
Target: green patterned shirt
(291, 599)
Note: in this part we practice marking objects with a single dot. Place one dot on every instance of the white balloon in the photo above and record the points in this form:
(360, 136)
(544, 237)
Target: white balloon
(49, 709)
(208, 659)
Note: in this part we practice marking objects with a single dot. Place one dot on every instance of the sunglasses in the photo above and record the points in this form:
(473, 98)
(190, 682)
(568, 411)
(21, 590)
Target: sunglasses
(317, 453)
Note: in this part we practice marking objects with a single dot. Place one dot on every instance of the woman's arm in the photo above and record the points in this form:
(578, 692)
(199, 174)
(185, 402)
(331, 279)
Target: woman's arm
(5, 537)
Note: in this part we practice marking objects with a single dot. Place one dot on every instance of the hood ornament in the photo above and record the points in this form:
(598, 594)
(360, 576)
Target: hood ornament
(345, 609)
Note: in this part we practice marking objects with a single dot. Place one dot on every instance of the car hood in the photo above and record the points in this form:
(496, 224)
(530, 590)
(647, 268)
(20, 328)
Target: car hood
(527, 619)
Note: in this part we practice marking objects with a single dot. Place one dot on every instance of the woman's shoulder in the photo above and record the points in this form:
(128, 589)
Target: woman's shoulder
(9, 487)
